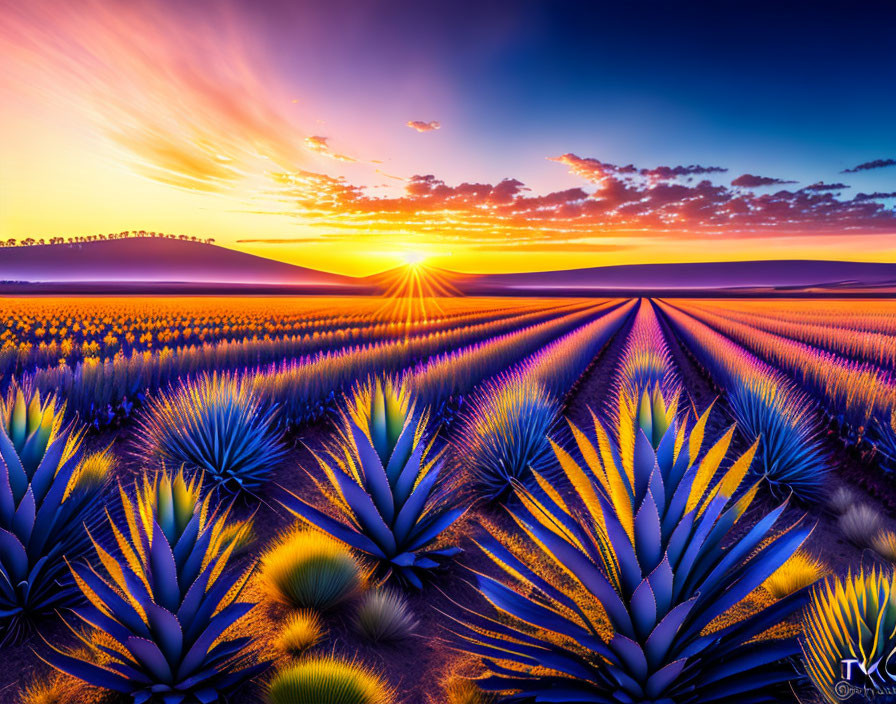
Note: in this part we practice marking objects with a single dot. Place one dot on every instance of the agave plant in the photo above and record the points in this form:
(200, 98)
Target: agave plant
(383, 484)
(789, 457)
(217, 425)
(158, 615)
(47, 496)
(852, 618)
(504, 436)
(621, 590)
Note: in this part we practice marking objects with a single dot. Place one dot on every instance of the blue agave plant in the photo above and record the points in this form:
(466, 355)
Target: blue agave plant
(504, 437)
(217, 425)
(789, 457)
(612, 597)
(167, 601)
(384, 484)
(47, 495)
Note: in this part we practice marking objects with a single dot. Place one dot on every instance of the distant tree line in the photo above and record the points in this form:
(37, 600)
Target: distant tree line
(127, 234)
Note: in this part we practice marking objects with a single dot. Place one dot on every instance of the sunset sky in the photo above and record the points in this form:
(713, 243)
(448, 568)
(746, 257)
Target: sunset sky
(349, 136)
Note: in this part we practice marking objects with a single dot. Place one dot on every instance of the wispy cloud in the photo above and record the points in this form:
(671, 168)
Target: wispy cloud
(821, 187)
(422, 126)
(751, 181)
(185, 95)
(869, 165)
(321, 145)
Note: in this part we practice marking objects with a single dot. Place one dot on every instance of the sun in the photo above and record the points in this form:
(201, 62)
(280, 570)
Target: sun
(413, 257)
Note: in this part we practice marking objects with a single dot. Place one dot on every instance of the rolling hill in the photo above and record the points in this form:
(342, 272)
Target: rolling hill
(161, 265)
(136, 262)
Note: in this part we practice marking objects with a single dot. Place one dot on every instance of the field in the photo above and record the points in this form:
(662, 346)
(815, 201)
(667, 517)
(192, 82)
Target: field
(460, 500)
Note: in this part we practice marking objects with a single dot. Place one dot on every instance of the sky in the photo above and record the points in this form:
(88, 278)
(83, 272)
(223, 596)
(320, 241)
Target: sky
(478, 136)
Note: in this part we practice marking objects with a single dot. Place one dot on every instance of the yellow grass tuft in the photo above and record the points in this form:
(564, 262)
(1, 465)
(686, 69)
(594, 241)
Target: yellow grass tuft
(303, 630)
(801, 570)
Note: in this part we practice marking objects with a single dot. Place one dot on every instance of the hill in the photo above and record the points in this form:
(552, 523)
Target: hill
(140, 262)
(162, 265)
(744, 278)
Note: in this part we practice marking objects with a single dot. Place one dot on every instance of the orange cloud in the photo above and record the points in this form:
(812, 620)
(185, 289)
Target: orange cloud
(422, 126)
(185, 96)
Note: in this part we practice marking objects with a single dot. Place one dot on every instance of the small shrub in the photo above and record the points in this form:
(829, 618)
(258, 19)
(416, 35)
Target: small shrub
(44, 690)
(504, 437)
(303, 630)
(460, 690)
(800, 571)
(308, 569)
(860, 524)
(328, 680)
(842, 499)
(884, 544)
(214, 424)
(385, 616)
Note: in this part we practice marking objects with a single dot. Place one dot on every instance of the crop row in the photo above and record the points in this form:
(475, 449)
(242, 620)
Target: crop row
(837, 334)
(302, 388)
(766, 404)
(37, 336)
(856, 394)
(103, 391)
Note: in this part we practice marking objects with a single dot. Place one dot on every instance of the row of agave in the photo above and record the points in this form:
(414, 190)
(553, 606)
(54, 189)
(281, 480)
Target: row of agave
(505, 431)
(102, 391)
(41, 332)
(626, 565)
(859, 396)
(860, 336)
(766, 406)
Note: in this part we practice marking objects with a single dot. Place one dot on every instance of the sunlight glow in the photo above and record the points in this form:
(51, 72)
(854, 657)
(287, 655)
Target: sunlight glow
(413, 257)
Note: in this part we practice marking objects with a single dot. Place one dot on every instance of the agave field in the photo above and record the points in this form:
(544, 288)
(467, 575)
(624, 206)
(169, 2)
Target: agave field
(346, 500)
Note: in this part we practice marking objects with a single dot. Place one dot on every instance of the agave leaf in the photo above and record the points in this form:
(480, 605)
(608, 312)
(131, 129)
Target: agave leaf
(375, 479)
(428, 531)
(23, 519)
(166, 631)
(413, 508)
(338, 530)
(217, 625)
(84, 670)
(408, 475)
(17, 476)
(147, 654)
(630, 654)
(14, 556)
(164, 570)
(400, 458)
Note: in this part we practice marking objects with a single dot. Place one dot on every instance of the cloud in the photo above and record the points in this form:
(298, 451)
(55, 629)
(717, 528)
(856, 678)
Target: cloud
(861, 197)
(422, 126)
(821, 187)
(868, 165)
(751, 181)
(321, 145)
(191, 103)
(617, 200)
(596, 170)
